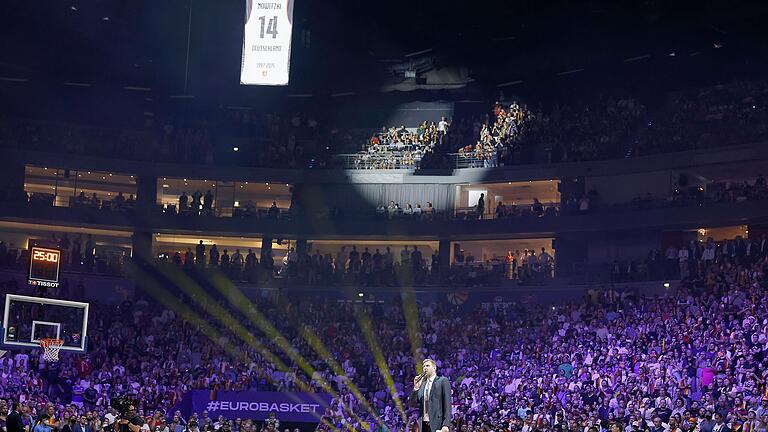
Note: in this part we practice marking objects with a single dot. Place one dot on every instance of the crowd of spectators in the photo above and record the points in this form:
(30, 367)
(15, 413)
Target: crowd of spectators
(516, 134)
(604, 128)
(197, 204)
(82, 201)
(395, 210)
(688, 260)
(400, 147)
(374, 267)
(728, 114)
(287, 141)
(347, 266)
(245, 266)
(499, 136)
(715, 192)
(693, 359)
(69, 138)
(365, 266)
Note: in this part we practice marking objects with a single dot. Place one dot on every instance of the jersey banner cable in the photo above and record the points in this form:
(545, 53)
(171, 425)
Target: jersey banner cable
(267, 42)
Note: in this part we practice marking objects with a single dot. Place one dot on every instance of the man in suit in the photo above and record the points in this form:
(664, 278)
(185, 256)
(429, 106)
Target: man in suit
(432, 394)
(13, 422)
(82, 425)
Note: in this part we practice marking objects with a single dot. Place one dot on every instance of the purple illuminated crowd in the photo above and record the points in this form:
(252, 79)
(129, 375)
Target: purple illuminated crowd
(694, 359)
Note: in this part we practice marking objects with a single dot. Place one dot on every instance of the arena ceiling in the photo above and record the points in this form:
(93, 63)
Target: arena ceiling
(355, 45)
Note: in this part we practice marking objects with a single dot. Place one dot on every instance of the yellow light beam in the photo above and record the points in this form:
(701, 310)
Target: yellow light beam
(316, 344)
(212, 307)
(161, 294)
(367, 329)
(242, 303)
(411, 313)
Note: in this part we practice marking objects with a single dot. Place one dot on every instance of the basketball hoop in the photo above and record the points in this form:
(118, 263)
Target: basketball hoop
(51, 347)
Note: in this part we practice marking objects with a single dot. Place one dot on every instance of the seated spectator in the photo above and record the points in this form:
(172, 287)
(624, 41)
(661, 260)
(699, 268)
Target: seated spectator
(408, 211)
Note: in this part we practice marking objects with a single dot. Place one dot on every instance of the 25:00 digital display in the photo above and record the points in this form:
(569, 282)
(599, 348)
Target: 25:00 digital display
(41, 255)
(44, 267)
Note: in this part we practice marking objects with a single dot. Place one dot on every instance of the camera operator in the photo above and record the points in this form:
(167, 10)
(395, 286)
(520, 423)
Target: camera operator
(129, 421)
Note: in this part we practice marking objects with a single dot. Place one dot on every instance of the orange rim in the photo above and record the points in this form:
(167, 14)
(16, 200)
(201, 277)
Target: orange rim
(49, 342)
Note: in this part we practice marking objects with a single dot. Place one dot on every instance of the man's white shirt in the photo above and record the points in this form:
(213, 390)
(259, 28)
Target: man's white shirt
(427, 392)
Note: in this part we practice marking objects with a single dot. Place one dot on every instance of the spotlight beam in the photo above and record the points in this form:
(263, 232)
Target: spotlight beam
(411, 313)
(163, 296)
(209, 304)
(317, 345)
(367, 329)
(236, 298)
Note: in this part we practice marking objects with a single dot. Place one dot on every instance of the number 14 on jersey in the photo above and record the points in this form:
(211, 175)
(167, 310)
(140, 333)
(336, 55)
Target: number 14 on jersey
(271, 26)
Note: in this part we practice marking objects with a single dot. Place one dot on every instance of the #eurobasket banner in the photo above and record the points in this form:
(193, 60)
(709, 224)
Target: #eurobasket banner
(267, 42)
(292, 407)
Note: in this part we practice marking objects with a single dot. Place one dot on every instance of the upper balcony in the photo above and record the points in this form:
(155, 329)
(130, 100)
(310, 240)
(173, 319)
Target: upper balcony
(338, 204)
(638, 215)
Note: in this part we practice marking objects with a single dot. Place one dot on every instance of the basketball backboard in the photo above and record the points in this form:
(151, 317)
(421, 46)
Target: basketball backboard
(28, 319)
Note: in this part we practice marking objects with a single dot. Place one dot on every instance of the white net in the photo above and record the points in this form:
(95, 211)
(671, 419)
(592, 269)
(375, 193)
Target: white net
(51, 349)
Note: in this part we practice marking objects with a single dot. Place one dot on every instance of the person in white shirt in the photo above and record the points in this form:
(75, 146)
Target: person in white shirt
(22, 360)
(682, 256)
(443, 125)
(719, 425)
(708, 255)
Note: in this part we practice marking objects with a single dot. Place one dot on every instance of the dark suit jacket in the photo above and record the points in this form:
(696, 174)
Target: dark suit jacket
(439, 403)
(13, 423)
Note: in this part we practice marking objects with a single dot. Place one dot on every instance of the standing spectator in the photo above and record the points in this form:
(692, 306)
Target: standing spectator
(225, 262)
(119, 200)
(200, 254)
(481, 206)
(183, 202)
(545, 263)
(273, 211)
(683, 255)
(196, 202)
(208, 201)
(13, 422)
(189, 259)
(213, 256)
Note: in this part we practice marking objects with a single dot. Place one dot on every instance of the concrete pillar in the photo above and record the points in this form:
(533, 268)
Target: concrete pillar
(146, 192)
(444, 255)
(142, 246)
(12, 179)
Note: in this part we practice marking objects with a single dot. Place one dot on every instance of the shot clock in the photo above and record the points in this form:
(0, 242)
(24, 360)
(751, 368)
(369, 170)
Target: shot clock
(44, 267)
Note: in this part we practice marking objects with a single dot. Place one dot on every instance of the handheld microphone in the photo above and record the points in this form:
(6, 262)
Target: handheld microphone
(422, 376)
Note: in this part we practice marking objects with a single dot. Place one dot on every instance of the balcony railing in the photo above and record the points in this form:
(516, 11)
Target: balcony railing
(398, 161)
